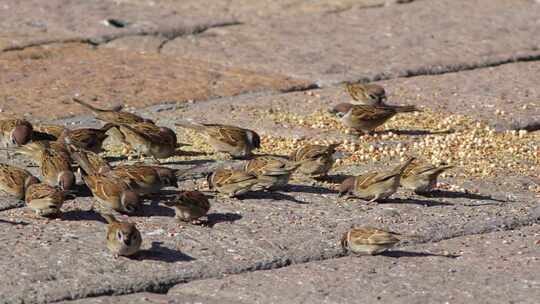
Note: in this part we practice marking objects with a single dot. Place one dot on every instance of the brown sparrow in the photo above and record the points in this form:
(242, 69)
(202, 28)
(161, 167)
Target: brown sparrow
(149, 139)
(368, 240)
(237, 142)
(374, 186)
(45, 200)
(14, 181)
(145, 179)
(366, 118)
(111, 192)
(317, 160)
(367, 94)
(87, 138)
(123, 238)
(190, 206)
(272, 172)
(115, 116)
(231, 182)
(47, 132)
(14, 133)
(421, 177)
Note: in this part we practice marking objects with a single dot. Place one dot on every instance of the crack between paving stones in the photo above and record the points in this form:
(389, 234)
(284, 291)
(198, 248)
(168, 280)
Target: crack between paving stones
(171, 281)
(168, 34)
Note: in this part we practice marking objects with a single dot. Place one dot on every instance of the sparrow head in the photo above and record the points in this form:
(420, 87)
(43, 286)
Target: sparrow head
(66, 180)
(167, 177)
(130, 201)
(169, 134)
(253, 139)
(347, 186)
(127, 234)
(21, 135)
(341, 109)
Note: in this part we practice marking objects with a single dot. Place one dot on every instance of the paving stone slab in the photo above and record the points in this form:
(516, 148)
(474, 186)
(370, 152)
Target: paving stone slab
(422, 37)
(146, 298)
(499, 267)
(40, 82)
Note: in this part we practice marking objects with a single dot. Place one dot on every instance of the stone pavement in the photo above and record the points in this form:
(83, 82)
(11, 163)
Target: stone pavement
(276, 66)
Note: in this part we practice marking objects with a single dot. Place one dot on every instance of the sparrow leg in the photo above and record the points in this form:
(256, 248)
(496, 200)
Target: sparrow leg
(196, 222)
(373, 200)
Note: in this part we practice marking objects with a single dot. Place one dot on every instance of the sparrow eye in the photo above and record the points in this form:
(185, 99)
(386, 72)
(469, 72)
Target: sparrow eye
(119, 235)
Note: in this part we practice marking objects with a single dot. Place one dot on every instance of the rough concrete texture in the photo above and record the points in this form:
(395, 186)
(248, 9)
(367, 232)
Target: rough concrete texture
(417, 38)
(500, 267)
(106, 77)
(255, 64)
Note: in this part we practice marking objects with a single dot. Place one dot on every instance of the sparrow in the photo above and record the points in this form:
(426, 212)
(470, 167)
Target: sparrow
(149, 139)
(366, 94)
(111, 192)
(86, 138)
(272, 172)
(14, 181)
(114, 116)
(14, 133)
(367, 118)
(421, 177)
(123, 238)
(317, 160)
(48, 132)
(368, 240)
(45, 200)
(237, 142)
(145, 179)
(231, 182)
(374, 186)
(190, 206)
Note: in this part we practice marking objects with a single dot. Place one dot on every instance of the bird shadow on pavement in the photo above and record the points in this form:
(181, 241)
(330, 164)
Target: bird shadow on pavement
(158, 252)
(308, 189)
(414, 201)
(82, 215)
(13, 223)
(413, 254)
(271, 195)
(216, 218)
(456, 194)
(154, 209)
(416, 132)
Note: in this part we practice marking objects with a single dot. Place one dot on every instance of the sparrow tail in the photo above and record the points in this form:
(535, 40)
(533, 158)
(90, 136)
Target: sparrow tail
(403, 109)
(190, 125)
(94, 109)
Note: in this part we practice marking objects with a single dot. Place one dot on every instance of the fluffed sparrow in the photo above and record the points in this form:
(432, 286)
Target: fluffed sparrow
(14, 181)
(89, 139)
(421, 177)
(123, 238)
(272, 172)
(366, 118)
(316, 160)
(374, 186)
(115, 116)
(236, 141)
(149, 139)
(367, 94)
(45, 200)
(231, 182)
(14, 133)
(111, 192)
(368, 240)
(190, 206)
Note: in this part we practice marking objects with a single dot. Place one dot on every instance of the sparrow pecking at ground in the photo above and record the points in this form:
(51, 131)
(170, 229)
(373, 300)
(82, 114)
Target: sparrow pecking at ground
(123, 238)
(14, 181)
(111, 192)
(316, 160)
(231, 182)
(148, 139)
(145, 179)
(45, 200)
(374, 186)
(48, 132)
(366, 118)
(272, 172)
(238, 142)
(368, 240)
(366, 94)
(86, 138)
(421, 177)
(190, 206)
